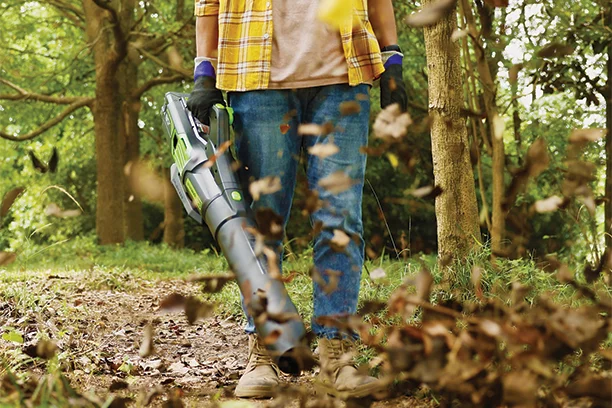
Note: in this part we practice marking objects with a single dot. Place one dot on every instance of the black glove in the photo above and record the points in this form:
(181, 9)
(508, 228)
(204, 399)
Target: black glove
(204, 95)
(392, 86)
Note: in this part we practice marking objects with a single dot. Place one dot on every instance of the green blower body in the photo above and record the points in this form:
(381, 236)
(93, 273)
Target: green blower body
(211, 193)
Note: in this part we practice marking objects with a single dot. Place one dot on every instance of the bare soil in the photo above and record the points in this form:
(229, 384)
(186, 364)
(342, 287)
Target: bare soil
(99, 334)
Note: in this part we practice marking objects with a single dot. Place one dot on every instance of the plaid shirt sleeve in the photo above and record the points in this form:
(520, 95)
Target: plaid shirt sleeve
(206, 8)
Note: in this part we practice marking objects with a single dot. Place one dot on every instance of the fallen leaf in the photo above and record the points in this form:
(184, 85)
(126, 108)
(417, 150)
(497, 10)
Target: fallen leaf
(118, 385)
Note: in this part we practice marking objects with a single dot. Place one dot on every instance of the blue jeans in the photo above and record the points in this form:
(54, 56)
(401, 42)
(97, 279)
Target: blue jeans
(266, 149)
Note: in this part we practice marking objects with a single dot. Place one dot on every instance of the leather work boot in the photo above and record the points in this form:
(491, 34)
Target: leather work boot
(340, 374)
(260, 379)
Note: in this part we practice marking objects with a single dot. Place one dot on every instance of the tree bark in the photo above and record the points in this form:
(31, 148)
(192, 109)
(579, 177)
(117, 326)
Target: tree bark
(134, 222)
(174, 222)
(498, 218)
(107, 114)
(456, 208)
(608, 192)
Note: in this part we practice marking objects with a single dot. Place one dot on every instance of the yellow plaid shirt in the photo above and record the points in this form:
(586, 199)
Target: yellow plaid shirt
(245, 43)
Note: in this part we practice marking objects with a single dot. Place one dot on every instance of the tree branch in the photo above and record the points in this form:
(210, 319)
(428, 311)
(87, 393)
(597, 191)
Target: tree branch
(23, 94)
(120, 40)
(155, 81)
(161, 63)
(49, 124)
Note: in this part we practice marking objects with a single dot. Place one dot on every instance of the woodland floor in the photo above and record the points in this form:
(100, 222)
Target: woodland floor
(99, 331)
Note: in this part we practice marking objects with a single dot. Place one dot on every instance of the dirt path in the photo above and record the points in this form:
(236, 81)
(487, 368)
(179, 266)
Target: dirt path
(99, 334)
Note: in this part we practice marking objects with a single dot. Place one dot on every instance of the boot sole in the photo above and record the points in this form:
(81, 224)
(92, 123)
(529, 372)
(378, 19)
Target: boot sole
(255, 392)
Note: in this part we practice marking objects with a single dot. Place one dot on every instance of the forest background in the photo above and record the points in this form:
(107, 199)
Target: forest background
(84, 160)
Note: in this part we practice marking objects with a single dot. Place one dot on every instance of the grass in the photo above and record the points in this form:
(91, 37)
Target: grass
(82, 265)
(121, 267)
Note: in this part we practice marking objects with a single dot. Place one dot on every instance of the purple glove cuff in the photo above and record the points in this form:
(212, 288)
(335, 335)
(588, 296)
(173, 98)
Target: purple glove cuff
(395, 59)
(204, 68)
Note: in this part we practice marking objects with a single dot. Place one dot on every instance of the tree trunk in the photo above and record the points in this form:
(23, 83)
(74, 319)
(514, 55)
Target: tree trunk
(608, 193)
(174, 223)
(456, 208)
(134, 223)
(495, 126)
(107, 114)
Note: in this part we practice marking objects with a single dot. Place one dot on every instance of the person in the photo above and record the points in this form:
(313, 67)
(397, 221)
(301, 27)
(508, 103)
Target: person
(283, 67)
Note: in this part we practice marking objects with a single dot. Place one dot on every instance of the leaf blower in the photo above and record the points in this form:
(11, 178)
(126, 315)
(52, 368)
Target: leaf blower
(208, 187)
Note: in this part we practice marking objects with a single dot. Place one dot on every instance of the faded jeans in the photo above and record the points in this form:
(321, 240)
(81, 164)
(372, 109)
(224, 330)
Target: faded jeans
(267, 149)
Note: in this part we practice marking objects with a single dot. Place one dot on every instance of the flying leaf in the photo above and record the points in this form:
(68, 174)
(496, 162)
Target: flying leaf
(378, 274)
(423, 283)
(212, 283)
(497, 3)
(53, 161)
(555, 50)
(337, 182)
(146, 347)
(335, 13)
(313, 129)
(37, 163)
(427, 192)
(391, 123)
(7, 258)
(173, 301)
(586, 135)
(44, 349)
(349, 108)
(458, 34)
(323, 150)
(196, 309)
(339, 241)
(284, 128)
(266, 185)
(8, 200)
(431, 13)
(144, 181)
(549, 204)
(393, 159)
(55, 211)
(269, 223)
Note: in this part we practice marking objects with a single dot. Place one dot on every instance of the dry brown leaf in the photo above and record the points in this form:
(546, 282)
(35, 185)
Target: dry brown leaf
(266, 185)
(497, 3)
(458, 34)
(555, 50)
(196, 309)
(378, 274)
(323, 150)
(144, 181)
(431, 13)
(513, 73)
(212, 283)
(391, 123)
(339, 241)
(146, 346)
(586, 135)
(219, 151)
(549, 204)
(8, 200)
(7, 258)
(54, 210)
(349, 108)
(173, 301)
(427, 192)
(272, 337)
(44, 349)
(423, 284)
(337, 182)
